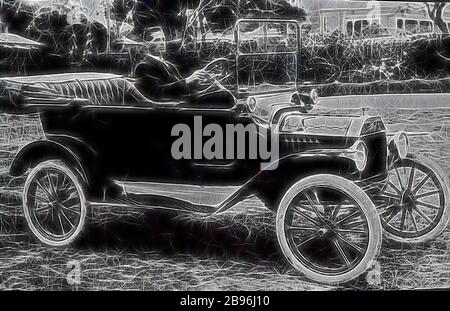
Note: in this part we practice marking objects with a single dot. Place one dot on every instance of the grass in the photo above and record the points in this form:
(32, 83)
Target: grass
(126, 249)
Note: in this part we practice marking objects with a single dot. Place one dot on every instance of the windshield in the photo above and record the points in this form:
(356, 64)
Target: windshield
(267, 55)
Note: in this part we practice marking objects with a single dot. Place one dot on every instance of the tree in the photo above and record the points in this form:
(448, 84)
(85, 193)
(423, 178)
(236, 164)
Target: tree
(120, 10)
(435, 12)
(145, 15)
(222, 14)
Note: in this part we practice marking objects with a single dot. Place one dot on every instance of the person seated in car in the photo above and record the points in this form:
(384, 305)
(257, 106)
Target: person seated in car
(160, 80)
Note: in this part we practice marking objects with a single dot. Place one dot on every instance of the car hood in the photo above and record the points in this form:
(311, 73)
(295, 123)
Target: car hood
(333, 125)
(273, 108)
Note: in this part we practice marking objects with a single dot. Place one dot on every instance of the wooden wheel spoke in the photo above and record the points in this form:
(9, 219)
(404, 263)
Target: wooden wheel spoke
(68, 188)
(399, 192)
(314, 206)
(422, 214)
(411, 177)
(421, 183)
(413, 219)
(56, 183)
(70, 202)
(399, 179)
(350, 243)
(341, 252)
(50, 183)
(346, 218)
(47, 194)
(67, 219)
(308, 239)
(352, 231)
(64, 181)
(307, 217)
(68, 209)
(392, 214)
(44, 209)
(52, 214)
(299, 228)
(335, 212)
(403, 219)
(427, 205)
(61, 224)
(39, 198)
(353, 225)
(427, 194)
(67, 184)
(46, 216)
(305, 206)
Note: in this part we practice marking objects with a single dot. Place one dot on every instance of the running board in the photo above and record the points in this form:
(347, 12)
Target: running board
(142, 197)
(195, 194)
(151, 202)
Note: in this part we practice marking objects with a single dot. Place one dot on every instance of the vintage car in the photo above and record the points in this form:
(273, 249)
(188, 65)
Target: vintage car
(337, 183)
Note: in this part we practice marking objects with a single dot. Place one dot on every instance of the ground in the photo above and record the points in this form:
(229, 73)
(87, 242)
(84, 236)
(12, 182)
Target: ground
(235, 251)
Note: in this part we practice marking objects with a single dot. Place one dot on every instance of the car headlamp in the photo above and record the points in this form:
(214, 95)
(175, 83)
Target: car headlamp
(399, 144)
(251, 103)
(314, 96)
(358, 153)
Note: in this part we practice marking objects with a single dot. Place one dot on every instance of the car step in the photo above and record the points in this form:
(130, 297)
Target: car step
(151, 202)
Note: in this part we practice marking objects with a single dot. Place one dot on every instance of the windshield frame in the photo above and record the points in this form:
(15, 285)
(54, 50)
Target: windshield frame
(239, 54)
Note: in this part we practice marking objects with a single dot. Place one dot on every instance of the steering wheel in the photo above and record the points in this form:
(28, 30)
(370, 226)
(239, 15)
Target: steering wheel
(218, 62)
(218, 71)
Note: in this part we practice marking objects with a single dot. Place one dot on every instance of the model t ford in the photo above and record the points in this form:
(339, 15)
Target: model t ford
(336, 184)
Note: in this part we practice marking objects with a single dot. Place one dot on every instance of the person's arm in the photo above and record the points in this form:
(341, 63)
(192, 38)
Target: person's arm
(156, 83)
(177, 89)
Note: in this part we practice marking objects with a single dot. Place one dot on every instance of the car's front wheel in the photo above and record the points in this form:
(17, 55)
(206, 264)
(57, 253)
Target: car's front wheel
(328, 228)
(54, 204)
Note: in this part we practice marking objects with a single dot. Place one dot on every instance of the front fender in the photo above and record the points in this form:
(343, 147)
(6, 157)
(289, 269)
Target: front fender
(269, 185)
(311, 162)
(68, 149)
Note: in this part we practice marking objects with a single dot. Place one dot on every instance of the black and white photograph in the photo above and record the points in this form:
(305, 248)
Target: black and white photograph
(224, 145)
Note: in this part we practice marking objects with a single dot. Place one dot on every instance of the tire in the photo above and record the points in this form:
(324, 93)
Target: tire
(402, 218)
(322, 236)
(57, 192)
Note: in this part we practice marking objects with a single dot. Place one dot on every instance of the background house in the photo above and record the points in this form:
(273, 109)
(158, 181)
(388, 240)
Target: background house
(352, 17)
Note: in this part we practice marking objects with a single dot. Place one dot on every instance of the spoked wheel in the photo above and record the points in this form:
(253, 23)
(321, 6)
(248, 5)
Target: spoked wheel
(54, 204)
(414, 203)
(328, 228)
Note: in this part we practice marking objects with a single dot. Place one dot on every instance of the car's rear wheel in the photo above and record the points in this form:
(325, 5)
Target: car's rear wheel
(413, 204)
(54, 204)
(328, 228)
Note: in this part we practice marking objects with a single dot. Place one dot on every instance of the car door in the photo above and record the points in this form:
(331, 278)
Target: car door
(208, 161)
(136, 143)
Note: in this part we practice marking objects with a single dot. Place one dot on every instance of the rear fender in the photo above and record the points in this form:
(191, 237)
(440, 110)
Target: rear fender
(68, 149)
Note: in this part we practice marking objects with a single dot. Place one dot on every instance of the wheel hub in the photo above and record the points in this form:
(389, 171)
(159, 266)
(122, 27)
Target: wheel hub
(329, 229)
(407, 200)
